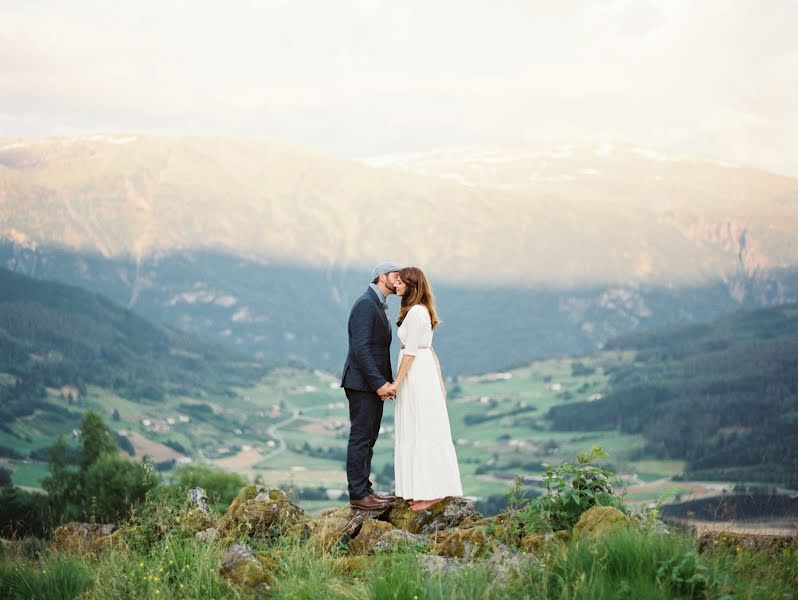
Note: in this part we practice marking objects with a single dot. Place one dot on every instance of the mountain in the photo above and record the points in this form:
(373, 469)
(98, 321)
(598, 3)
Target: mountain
(58, 341)
(264, 246)
(723, 395)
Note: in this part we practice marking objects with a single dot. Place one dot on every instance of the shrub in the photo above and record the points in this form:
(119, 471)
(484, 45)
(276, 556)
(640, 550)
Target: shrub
(570, 491)
(23, 513)
(221, 487)
(114, 485)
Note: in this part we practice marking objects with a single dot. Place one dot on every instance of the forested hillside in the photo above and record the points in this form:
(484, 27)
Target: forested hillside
(58, 336)
(722, 395)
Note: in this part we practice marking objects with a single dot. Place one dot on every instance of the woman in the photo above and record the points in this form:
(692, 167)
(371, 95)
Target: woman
(424, 457)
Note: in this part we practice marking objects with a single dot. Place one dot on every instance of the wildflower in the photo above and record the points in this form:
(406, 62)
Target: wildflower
(141, 565)
(157, 592)
(160, 570)
(171, 562)
(44, 571)
(156, 578)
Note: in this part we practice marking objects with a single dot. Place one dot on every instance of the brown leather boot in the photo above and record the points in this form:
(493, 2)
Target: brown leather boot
(384, 497)
(368, 503)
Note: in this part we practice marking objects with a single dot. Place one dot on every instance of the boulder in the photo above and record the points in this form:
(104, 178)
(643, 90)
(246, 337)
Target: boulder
(468, 543)
(538, 543)
(504, 563)
(446, 514)
(85, 537)
(598, 520)
(337, 526)
(380, 536)
(349, 565)
(438, 565)
(197, 517)
(207, 535)
(247, 569)
(259, 512)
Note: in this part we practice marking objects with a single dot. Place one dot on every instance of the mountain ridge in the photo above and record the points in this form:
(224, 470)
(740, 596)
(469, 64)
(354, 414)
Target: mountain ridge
(142, 195)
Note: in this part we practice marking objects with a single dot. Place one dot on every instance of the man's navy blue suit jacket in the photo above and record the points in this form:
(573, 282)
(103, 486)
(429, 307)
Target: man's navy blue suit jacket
(368, 363)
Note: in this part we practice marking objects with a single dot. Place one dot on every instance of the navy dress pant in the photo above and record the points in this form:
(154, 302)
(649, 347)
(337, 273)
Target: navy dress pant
(365, 415)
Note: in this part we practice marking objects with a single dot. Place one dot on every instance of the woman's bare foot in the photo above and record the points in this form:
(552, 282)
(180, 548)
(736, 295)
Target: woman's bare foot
(420, 505)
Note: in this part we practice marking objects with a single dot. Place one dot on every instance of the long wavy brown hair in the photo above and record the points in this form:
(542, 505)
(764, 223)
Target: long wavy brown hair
(418, 292)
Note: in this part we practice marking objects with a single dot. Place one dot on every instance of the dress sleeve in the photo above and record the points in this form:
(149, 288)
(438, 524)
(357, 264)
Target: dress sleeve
(418, 323)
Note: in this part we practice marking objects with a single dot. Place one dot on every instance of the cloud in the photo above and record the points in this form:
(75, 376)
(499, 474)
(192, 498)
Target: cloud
(361, 77)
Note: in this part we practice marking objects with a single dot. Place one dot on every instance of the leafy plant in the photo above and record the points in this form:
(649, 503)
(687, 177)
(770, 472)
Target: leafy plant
(570, 491)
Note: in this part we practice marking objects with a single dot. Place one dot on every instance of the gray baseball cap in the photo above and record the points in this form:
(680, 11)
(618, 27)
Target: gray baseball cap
(384, 267)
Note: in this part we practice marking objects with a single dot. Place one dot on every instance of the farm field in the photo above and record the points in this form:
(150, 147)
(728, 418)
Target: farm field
(291, 430)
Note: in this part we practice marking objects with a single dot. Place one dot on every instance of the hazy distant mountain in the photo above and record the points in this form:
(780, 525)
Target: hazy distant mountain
(264, 246)
(572, 217)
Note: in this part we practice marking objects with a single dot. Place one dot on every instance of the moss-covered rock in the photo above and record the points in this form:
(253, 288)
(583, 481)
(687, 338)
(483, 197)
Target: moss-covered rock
(598, 520)
(247, 569)
(538, 543)
(197, 516)
(446, 514)
(467, 543)
(261, 513)
(193, 521)
(350, 565)
(337, 526)
(439, 565)
(380, 536)
(82, 538)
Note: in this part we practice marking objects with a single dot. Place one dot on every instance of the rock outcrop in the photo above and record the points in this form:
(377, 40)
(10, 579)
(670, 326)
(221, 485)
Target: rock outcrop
(598, 520)
(85, 537)
(446, 514)
(197, 518)
(247, 569)
(261, 513)
(381, 536)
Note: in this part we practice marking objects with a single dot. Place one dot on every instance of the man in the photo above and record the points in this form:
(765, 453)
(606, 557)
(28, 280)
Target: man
(367, 382)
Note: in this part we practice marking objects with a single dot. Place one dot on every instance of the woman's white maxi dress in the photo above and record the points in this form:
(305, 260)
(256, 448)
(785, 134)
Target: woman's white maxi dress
(425, 461)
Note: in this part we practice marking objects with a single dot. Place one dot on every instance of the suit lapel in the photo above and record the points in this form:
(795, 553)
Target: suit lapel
(382, 312)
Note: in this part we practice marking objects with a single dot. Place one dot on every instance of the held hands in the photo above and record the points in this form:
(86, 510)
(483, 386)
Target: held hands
(387, 391)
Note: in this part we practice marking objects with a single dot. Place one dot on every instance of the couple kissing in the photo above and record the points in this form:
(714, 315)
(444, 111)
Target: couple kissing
(425, 462)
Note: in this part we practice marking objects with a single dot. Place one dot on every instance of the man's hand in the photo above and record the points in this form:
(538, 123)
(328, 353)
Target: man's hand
(387, 391)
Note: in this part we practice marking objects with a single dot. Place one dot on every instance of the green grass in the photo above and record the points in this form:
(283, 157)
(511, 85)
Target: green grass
(623, 563)
(53, 578)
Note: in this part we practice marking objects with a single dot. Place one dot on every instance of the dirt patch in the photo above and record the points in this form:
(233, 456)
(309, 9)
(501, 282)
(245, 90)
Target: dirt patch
(242, 460)
(69, 392)
(335, 479)
(320, 427)
(157, 451)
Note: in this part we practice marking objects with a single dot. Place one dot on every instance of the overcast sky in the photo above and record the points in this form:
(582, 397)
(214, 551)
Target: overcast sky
(367, 77)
